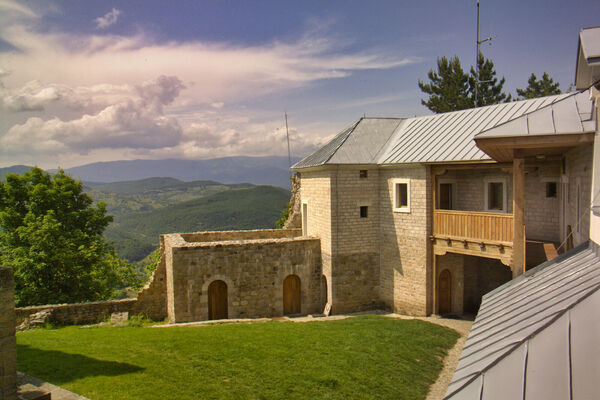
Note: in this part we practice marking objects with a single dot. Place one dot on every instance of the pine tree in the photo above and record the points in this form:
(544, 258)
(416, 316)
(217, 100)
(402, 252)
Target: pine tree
(539, 88)
(489, 89)
(449, 87)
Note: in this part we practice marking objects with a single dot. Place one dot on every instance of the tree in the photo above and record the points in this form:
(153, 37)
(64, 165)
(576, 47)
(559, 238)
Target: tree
(51, 234)
(449, 87)
(489, 89)
(539, 88)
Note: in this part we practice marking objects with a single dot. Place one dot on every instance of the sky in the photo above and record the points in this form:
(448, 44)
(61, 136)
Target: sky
(88, 81)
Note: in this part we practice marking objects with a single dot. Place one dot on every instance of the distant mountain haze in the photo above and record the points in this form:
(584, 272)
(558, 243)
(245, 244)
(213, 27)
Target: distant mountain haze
(271, 170)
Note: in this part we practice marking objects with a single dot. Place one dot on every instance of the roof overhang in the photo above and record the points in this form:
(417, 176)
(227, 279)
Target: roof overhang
(587, 67)
(506, 149)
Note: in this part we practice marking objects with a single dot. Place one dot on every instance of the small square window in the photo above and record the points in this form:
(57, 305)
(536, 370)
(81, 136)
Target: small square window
(364, 211)
(550, 189)
(364, 173)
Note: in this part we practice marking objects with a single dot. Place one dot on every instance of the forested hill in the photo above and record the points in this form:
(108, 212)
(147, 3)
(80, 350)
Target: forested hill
(134, 235)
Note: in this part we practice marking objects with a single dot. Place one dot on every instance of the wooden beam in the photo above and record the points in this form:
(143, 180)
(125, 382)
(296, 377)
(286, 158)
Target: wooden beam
(434, 257)
(518, 216)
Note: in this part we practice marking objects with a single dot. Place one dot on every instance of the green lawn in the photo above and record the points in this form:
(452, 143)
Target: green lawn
(361, 357)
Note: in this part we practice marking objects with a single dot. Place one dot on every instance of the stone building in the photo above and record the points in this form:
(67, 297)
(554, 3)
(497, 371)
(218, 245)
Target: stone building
(415, 215)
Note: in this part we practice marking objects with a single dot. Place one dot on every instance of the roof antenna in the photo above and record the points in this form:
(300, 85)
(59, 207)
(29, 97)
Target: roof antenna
(287, 133)
(478, 42)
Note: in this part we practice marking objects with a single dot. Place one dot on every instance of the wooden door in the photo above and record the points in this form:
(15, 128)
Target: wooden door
(445, 196)
(445, 292)
(217, 300)
(291, 295)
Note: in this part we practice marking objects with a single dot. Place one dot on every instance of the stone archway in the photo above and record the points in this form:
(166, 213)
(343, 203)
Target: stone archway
(291, 295)
(217, 300)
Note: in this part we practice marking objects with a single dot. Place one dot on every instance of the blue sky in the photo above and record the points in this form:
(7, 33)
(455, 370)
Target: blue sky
(98, 81)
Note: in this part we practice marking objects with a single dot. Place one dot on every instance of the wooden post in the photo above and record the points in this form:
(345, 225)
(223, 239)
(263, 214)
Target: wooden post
(518, 216)
(434, 266)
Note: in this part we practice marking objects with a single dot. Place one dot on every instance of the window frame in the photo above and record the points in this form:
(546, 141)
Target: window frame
(395, 183)
(504, 182)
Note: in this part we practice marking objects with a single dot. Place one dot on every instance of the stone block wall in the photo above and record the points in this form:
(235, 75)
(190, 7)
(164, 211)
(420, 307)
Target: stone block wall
(253, 271)
(316, 192)
(79, 313)
(152, 299)
(355, 240)
(579, 176)
(405, 248)
(8, 341)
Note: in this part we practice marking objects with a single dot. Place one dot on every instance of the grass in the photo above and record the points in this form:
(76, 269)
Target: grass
(367, 357)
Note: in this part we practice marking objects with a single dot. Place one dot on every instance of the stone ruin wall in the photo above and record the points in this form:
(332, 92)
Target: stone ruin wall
(8, 341)
(253, 264)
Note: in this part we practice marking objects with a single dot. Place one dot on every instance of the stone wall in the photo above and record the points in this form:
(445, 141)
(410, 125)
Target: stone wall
(405, 248)
(152, 299)
(355, 245)
(578, 163)
(315, 192)
(8, 341)
(295, 216)
(455, 264)
(78, 313)
(482, 275)
(253, 271)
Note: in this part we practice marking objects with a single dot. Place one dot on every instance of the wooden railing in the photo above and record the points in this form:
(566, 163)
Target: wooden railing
(473, 225)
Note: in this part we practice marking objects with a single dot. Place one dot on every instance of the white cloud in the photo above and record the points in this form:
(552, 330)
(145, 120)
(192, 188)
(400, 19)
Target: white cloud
(108, 19)
(97, 95)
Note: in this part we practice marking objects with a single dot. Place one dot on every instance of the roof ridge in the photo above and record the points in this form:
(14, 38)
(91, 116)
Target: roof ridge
(349, 130)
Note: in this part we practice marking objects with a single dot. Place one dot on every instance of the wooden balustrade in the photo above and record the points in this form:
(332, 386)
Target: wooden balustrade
(473, 225)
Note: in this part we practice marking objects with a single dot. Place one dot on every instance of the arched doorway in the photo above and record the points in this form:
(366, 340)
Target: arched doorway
(291, 295)
(217, 300)
(324, 295)
(444, 292)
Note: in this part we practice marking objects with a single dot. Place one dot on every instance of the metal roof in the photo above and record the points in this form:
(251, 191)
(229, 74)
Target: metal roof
(358, 144)
(587, 67)
(590, 43)
(570, 113)
(448, 137)
(537, 336)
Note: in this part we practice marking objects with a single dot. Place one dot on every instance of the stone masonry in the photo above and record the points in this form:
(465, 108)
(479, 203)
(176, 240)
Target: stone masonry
(8, 341)
(253, 265)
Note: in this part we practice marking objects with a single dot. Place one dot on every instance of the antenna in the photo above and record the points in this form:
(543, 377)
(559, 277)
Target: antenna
(288, 141)
(478, 42)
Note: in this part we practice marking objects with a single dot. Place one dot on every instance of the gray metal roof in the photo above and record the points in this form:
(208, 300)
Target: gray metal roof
(569, 113)
(358, 144)
(448, 137)
(537, 336)
(587, 68)
(590, 44)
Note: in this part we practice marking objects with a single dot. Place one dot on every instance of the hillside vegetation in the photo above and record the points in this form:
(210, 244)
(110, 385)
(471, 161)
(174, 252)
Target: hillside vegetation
(135, 234)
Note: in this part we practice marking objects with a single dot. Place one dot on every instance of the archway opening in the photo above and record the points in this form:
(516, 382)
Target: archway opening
(217, 300)
(291, 295)
(444, 292)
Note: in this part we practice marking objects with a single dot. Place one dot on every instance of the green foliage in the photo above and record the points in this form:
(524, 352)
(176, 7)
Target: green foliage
(452, 89)
(368, 357)
(285, 213)
(51, 234)
(539, 88)
(489, 89)
(134, 235)
(449, 87)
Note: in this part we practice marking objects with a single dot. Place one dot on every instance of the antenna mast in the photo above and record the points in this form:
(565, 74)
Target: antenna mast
(288, 141)
(478, 42)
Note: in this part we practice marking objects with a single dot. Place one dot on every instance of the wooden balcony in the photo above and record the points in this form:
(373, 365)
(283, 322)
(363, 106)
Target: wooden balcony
(482, 234)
